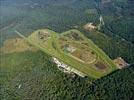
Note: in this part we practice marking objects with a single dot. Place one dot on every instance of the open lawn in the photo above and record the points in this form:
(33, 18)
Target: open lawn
(16, 45)
(52, 46)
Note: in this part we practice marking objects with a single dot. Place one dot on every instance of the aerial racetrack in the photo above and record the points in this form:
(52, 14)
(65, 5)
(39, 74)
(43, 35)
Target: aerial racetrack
(74, 49)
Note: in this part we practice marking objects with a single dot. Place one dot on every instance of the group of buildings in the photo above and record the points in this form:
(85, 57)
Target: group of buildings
(67, 69)
(90, 26)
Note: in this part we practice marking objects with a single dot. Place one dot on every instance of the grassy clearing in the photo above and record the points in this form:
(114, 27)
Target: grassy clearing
(16, 45)
(52, 47)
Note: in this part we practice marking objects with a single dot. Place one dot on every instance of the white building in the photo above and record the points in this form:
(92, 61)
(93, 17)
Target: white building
(90, 26)
(67, 69)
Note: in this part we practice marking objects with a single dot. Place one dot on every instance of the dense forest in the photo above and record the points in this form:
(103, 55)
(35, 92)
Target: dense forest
(40, 79)
(32, 75)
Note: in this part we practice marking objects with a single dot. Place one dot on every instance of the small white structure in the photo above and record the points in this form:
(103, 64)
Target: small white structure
(67, 69)
(90, 26)
(19, 86)
(101, 20)
(70, 49)
(101, 23)
(78, 72)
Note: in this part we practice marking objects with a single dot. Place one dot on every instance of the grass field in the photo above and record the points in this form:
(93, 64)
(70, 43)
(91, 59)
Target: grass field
(16, 45)
(52, 47)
